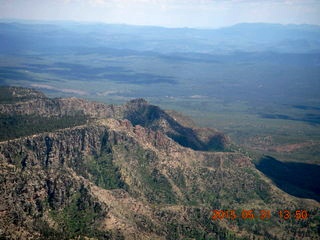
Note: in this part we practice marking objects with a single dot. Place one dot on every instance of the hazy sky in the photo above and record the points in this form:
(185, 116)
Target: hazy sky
(169, 13)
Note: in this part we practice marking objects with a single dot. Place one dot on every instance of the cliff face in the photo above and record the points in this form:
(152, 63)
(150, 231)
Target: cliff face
(114, 179)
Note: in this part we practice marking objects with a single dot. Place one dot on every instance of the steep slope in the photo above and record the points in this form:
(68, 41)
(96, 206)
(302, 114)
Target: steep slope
(113, 179)
(139, 112)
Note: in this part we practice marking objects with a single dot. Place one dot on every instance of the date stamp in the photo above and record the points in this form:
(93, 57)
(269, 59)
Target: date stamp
(264, 214)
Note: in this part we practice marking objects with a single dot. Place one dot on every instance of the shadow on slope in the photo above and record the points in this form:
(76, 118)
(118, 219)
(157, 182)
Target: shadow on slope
(297, 179)
(139, 112)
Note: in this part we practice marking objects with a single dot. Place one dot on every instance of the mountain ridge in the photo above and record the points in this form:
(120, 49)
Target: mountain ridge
(138, 111)
(112, 179)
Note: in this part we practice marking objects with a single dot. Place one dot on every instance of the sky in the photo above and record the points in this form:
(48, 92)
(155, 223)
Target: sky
(167, 13)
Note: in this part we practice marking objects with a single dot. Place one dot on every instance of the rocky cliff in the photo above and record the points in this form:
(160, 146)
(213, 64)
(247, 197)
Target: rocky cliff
(124, 176)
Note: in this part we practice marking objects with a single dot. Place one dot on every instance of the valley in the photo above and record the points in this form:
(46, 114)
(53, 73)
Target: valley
(272, 91)
(113, 131)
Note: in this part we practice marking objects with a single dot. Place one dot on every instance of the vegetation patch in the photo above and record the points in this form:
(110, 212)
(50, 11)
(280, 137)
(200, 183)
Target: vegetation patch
(104, 173)
(15, 126)
(79, 217)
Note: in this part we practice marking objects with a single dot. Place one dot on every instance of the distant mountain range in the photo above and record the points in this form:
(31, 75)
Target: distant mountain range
(246, 37)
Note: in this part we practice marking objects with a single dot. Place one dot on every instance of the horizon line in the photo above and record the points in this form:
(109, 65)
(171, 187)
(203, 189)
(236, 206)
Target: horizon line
(42, 21)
